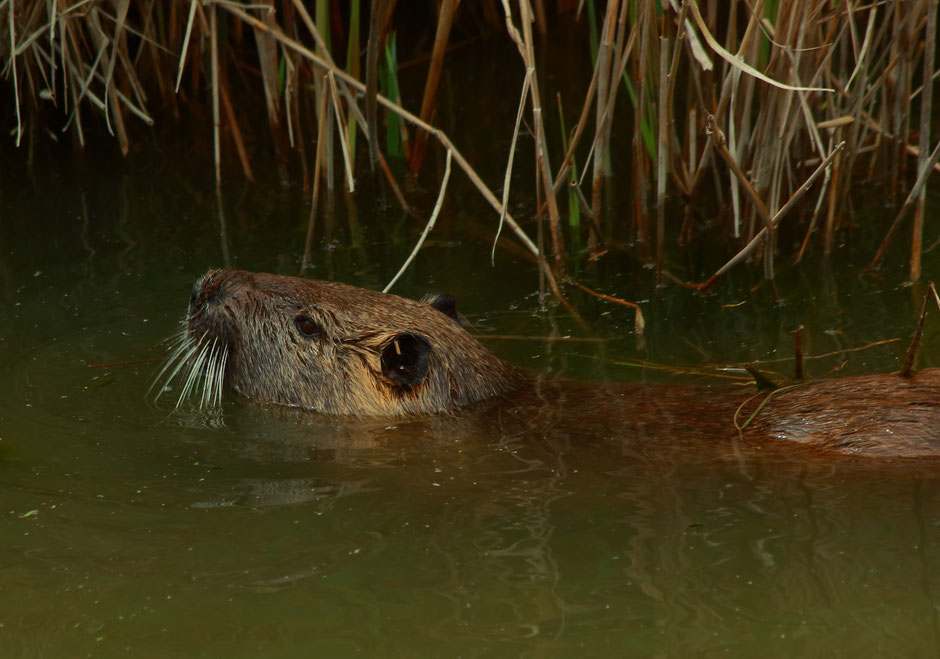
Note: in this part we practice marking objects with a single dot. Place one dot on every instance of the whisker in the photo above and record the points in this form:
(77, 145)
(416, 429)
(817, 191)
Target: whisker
(197, 365)
(220, 376)
(209, 374)
(180, 356)
(195, 369)
(180, 334)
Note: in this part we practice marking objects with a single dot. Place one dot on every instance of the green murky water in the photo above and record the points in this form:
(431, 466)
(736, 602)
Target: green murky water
(131, 530)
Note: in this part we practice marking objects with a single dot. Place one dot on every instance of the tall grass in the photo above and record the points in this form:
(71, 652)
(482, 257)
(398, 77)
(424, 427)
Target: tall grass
(769, 105)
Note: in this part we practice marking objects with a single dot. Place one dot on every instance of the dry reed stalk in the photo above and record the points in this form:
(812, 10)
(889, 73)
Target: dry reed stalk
(908, 368)
(543, 164)
(295, 120)
(507, 177)
(329, 161)
(324, 87)
(602, 118)
(606, 102)
(430, 225)
(343, 132)
(348, 96)
(267, 60)
(315, 196)
(922, 177)
(620, 53)
(223, 229)
(756, 241)
(236, 134)
(640, 157)
(765, 93)
(661, 155)
(378, 26)
(719, 142)
(444, 22)
(354, 84)
(575, 138)
(193, 5)
(926, 111)
(214, 66)
(352, 65)
(798, 353)
(11, 19)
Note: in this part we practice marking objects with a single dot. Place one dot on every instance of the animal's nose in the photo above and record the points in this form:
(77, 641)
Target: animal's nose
(217, 285)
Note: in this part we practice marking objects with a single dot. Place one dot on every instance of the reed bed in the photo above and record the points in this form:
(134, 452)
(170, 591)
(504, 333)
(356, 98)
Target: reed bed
(779, 109)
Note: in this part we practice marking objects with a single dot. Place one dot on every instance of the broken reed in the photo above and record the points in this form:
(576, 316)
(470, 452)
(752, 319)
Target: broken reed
(756, 103)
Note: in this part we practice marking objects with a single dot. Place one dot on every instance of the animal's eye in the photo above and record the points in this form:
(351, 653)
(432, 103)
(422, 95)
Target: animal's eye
(307, 326)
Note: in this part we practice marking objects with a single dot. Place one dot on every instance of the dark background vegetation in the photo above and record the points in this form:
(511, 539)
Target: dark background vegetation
(644, 132)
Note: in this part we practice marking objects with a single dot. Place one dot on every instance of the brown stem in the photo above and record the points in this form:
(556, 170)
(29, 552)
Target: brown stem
(798, 354)
(756, 240)
(444, 21)
(236, 133)
(930, 44)
(907, 369)
(925, 171)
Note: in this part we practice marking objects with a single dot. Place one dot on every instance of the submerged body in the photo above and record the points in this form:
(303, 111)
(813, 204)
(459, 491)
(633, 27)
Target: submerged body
(342, 350)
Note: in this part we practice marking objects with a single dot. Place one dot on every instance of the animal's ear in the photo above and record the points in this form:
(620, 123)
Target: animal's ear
(405, 359)
(444, 303)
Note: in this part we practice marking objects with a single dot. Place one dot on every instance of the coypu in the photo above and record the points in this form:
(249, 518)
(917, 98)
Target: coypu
(342, 350)
(332, 348)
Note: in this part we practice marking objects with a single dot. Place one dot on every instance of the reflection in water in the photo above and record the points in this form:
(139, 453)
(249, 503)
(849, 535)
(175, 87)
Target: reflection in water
(546, 534)
(279, 529)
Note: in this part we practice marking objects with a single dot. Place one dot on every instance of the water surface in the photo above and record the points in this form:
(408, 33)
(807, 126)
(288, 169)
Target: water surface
(129, 528)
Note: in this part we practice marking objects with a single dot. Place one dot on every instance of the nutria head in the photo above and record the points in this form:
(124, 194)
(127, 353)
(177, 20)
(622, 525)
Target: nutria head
(329, 347)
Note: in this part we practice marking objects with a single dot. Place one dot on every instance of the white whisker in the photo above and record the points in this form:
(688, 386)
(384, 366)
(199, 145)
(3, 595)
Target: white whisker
(219, 377)
(209, 374)
(195, 370)
(181, 356)
(197, 365)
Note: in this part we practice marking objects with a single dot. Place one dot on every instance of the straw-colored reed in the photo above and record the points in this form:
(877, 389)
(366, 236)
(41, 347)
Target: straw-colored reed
(767, 104)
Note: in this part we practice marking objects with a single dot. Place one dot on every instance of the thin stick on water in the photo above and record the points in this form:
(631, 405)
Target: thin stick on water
(430, 225)
(639, 319)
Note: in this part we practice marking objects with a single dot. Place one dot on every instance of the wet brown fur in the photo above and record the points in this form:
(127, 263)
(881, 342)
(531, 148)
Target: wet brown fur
(340, 371)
